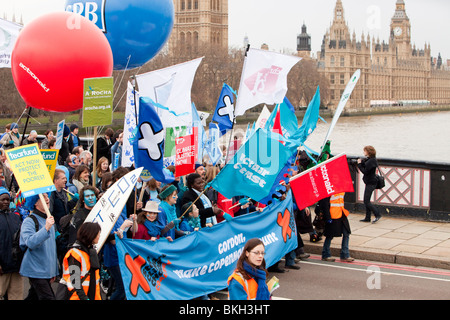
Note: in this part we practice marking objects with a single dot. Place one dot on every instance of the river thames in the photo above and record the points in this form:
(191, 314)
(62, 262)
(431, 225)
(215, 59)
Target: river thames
(419, 136)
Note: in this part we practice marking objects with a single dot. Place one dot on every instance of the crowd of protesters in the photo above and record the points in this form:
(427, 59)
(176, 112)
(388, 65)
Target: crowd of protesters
(45, 249)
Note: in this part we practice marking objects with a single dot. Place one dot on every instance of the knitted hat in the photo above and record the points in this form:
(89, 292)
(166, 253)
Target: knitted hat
(14, 126)
(73, 127)
(66, 131)
(167, 192)
(3, 190)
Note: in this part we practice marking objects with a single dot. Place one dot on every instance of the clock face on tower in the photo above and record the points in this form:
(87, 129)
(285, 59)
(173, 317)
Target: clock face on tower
(398, 31)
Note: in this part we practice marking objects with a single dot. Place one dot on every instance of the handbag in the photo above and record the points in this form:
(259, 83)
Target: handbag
(381, 183)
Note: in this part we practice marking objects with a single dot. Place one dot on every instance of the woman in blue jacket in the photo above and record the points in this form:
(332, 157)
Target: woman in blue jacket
(40, 263)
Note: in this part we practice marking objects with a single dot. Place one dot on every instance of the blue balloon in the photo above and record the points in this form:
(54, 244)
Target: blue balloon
(136, 29)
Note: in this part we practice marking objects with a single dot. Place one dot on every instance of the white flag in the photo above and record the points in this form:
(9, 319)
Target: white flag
(345, 96)
(171, 88)
(263, 79)
(9, 31)
(129, 126)
(263, 117)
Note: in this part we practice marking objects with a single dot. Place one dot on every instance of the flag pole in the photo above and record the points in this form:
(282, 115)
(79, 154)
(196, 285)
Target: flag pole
(234, 113)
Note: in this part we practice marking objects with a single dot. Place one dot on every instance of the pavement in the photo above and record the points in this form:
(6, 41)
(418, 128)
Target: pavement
(405, 241)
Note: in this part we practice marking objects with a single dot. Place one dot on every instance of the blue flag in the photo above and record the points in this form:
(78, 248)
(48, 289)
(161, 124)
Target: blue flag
(212, 144)
(148, 143)
(197, 122)
(310, 119)
(288, 119)
(254, 168)
(224, 113)
(201, 262)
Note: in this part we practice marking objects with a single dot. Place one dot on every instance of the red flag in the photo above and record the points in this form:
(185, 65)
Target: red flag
(186, 153)
(277, 123)
(324, 180)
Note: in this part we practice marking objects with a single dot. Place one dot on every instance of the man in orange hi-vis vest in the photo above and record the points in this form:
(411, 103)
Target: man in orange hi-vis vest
(336, 225)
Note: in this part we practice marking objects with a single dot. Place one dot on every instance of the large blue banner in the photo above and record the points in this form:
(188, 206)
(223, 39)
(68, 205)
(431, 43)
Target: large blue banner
(201, 262)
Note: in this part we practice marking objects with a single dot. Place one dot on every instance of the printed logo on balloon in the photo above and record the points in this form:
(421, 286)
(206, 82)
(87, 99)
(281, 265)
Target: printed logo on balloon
(50, 61)
(136, 29)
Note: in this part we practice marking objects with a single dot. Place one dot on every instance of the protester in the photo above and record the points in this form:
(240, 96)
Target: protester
(11, 139)
(151, 191)
(88, 199)
(59, 201)
(191, 221)
(84, 260)
(102, 168)
(72, 163)
(248, 281)
(74, 134)
(337, 225)
(148, 226)
(7, 130)
(86, 158)
(32, 138)
(40, 263)
(116, 151)
(66, 145)
(368, 167)
(81, 177)
(168, 197)
(48, 136)
(104, 145)
(11, 282)
(195, 184)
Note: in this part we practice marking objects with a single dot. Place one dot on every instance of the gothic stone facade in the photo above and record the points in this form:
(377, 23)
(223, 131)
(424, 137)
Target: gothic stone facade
(392, 71)
(200, 22)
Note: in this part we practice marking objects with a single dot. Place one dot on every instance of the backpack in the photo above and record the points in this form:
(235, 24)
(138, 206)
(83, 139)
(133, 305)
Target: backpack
(17, 252)
(62, 240)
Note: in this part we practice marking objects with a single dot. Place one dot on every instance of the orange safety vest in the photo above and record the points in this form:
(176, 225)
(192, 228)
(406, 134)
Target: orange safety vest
(337, 206)
(250, 286)
(84, 260)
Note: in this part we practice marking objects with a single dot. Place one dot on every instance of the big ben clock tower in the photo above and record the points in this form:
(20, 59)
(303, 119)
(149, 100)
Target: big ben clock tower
(401, 30)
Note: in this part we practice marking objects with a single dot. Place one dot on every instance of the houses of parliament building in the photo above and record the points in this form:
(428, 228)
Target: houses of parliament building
(393, 72)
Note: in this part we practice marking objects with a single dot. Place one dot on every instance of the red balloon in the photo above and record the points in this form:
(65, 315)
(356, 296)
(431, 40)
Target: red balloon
(53, 55)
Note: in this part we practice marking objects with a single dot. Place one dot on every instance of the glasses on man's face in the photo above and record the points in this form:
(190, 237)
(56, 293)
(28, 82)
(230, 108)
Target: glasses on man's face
(258, 253)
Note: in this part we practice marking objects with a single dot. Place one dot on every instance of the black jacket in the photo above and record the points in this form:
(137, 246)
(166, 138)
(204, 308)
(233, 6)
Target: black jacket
(189, 196)
(368, 168)
(9, 224)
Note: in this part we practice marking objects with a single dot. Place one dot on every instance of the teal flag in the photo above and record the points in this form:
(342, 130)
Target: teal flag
(254, 168)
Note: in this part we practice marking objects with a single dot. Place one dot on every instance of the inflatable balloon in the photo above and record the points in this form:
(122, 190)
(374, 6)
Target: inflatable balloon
(136, 29)
(53, 55)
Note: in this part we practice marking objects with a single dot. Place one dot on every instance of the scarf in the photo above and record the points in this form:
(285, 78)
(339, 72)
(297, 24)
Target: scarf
(171, 212)
(260, 276)
(152, 228)
(194, 222)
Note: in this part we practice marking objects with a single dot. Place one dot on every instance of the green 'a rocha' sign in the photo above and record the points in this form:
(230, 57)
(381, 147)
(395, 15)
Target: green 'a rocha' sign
(98, 101)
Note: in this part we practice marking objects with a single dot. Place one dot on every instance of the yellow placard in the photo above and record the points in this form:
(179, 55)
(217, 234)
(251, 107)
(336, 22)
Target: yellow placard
(30, 170)
(51, 160)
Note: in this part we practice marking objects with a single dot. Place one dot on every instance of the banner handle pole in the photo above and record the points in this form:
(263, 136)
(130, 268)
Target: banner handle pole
(193, 203)
(94, 158)
(44, 204)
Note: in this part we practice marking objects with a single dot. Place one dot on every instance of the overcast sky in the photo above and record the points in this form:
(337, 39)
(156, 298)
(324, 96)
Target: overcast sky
(277, 22)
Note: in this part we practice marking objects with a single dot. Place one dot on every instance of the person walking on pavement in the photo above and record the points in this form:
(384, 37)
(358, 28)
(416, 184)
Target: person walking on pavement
(336, 225)
(368, 167)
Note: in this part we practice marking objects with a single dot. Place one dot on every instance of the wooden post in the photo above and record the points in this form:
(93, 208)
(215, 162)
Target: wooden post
(44, 204)
(94, 158)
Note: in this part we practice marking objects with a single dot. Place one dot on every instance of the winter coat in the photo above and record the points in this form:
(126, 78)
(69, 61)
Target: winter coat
(368, 168)
(9, 224)
(40, 260)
